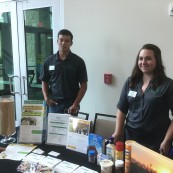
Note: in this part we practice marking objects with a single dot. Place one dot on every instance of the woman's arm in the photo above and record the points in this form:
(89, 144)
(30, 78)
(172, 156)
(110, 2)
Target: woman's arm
(165, 145)
(119, 128)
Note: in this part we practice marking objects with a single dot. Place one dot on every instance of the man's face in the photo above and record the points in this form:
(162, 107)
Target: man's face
(64, 43)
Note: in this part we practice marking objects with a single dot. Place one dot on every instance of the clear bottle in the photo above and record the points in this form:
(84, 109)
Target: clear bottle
(110, 150)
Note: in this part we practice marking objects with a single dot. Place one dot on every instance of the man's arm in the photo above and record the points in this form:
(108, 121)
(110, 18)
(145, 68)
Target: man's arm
(79, 97)
(2, 149)
(45, 90)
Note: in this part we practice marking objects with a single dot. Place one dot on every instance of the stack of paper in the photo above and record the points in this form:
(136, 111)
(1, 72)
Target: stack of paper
(83, 169)
(17, 151)
(65, 167)
(57, 128)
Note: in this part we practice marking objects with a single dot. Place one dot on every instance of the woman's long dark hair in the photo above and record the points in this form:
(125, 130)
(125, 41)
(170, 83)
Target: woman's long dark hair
(159, 71)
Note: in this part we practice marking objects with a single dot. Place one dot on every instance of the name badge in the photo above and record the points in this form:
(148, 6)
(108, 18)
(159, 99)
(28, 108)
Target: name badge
(51, 67)
(132, 93)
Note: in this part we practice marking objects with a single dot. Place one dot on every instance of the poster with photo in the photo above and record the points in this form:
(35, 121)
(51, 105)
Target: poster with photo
(77, 137)
(32, 122)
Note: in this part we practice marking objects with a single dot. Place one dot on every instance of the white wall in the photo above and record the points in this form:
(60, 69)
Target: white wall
(108, 35)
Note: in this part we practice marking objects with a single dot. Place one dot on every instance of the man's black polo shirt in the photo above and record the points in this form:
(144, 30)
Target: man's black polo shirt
(64, 76)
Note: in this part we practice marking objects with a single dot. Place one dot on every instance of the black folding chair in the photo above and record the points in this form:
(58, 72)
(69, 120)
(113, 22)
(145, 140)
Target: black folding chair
(83, 115)
(104, 125)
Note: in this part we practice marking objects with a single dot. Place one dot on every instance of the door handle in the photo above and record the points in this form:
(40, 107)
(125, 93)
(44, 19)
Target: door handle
(10, 82)
(24, 91)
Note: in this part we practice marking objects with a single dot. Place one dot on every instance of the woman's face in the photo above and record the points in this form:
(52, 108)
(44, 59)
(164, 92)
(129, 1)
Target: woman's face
(146, 61)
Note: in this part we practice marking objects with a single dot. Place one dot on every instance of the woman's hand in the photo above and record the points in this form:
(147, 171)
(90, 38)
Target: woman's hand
(165, 148)
(117, 137)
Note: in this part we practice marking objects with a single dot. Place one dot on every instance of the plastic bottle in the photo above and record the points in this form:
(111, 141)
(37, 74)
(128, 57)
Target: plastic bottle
(119, 166)
(91, 156)
(110, 150)
(119, 150)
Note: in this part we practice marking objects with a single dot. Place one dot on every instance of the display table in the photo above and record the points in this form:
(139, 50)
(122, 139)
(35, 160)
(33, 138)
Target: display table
(143, 160)
(9, 166)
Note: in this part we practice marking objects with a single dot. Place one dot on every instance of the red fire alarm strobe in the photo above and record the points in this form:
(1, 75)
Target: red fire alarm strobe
(107, 78)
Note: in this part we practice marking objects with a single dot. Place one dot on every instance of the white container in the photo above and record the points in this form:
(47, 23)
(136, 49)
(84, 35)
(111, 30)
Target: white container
(106, 166)
(119, 166)
(110, 151)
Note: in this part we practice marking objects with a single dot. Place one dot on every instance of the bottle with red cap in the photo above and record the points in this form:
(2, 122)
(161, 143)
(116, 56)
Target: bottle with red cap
(119, 150)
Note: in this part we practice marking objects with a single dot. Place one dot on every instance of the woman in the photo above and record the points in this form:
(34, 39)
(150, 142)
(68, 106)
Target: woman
(145, 102)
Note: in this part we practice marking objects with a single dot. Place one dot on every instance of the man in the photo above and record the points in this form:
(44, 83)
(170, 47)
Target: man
(2, 149)
(64, 77)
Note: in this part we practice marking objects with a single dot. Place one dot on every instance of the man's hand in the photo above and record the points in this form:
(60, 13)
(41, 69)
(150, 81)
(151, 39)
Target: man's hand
(73, 110)
(2, 149)
(50, 102)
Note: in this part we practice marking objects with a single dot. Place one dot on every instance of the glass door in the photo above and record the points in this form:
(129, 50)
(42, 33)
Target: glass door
(6, 53)
(39, 44)
(10, 83)
(28, 34)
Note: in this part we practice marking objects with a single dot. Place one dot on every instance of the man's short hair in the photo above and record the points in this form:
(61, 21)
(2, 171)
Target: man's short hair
(65, 32)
